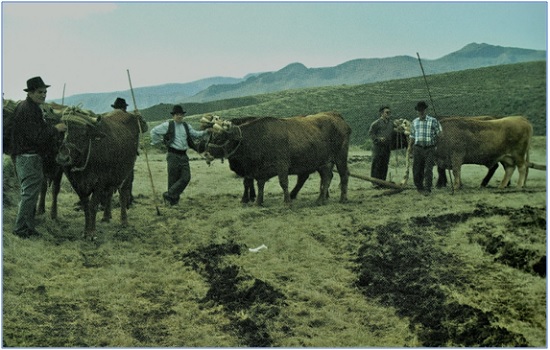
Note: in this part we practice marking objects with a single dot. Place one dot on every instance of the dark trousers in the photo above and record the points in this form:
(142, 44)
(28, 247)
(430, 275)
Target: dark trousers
(423, 164)
(179, 175)
(30, 172)
(380, 160)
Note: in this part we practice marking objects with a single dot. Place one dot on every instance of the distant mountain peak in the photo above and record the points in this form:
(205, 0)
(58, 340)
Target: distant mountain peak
(475, 50)
(293, 67)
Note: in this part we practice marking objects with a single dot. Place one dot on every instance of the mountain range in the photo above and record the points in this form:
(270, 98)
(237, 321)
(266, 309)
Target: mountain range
(297, 75)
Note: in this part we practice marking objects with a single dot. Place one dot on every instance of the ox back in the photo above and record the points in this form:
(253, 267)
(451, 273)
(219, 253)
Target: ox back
(97, 158)
(485, 142)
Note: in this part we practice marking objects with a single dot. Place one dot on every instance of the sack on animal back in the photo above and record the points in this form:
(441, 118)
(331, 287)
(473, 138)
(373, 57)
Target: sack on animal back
(8, 114)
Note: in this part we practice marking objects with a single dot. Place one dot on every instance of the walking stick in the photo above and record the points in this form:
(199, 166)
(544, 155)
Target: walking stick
(144, 149)
(435, 113)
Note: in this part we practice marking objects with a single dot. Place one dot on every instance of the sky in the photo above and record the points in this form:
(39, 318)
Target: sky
(89, 47)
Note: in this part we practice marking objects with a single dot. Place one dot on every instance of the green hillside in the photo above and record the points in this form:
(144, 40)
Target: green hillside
(515, 89)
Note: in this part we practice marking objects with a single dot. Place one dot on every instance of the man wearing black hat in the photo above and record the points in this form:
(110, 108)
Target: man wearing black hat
(120, 103)
(175, 134)
(424, 131)
(32, 138)
(380, 132)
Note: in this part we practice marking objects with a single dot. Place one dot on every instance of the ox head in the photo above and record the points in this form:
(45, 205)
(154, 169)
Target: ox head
(82, 129)
(402, 125)
(224, 140)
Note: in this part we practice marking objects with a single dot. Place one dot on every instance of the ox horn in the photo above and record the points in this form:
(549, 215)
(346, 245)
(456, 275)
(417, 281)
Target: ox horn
(218, 127)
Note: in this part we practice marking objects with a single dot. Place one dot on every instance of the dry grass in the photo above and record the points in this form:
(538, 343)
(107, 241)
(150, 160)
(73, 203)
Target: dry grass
(186, 278)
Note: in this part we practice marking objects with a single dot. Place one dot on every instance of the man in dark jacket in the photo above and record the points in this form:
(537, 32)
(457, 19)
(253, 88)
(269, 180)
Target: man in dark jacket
(32, 138)
(381, 134)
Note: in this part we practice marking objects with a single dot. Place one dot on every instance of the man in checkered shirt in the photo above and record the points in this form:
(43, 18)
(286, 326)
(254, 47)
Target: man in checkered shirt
(424, 131)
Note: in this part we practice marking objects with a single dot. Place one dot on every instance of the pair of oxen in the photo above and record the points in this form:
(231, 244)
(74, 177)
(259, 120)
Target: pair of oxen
(97, 154)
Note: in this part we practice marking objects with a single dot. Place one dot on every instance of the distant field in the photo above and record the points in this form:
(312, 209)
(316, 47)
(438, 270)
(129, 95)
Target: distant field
(463, 269)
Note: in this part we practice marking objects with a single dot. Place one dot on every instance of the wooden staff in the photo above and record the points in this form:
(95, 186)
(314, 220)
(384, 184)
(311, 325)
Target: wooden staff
(144, 148)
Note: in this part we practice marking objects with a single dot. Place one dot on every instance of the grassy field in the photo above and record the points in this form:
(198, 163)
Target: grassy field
(402, 270)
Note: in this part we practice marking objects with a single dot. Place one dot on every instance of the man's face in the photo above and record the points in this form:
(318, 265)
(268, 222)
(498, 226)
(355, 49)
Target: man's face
(386, 113)
(178, 117)
(38, 95)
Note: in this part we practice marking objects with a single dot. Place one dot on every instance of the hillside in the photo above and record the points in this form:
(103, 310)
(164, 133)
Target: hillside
(296, 75)
(363, 71)
(502, 90)
(145, 96)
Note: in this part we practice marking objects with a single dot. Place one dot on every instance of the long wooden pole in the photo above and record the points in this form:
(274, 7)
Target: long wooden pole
(63, 98)
(144, 149)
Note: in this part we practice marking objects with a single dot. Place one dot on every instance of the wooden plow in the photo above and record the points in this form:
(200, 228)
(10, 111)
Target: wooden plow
(393, 187)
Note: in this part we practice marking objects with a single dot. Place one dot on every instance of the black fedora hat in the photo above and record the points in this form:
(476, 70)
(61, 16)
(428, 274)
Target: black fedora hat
(35, 83)
(119, 103)
(177, 110)
(421, 106)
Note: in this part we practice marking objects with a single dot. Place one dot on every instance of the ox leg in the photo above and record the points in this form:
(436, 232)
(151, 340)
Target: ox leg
(489, 175)
(456, 161)
(249, 193)
(326, 178)
(56, 188)
(260, 198)
(522, 169)
(343, 172)
(283, 181)
(441, 178)
(252, 191)
(456, 173)
(106, 202)
(302, 178)
(125, 193)
(90, 208)
(42, 198)
(508, 172)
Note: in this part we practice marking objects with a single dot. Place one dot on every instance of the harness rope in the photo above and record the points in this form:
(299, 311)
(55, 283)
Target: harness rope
(227, 154)
(79, 116)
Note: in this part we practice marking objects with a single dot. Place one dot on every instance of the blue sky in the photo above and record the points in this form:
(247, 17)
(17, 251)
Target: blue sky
(89, 45)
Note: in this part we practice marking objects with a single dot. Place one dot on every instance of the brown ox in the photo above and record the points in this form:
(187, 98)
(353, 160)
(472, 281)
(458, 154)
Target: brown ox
(268, 147)
(235, 164)
(485, 142)
(98, 156)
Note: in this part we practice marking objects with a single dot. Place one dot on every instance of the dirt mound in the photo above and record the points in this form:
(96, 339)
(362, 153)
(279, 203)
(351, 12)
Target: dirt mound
(249, 302)
(402, 266)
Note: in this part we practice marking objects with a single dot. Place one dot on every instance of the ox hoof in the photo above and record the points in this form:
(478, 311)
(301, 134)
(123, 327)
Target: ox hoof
(92, 237)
